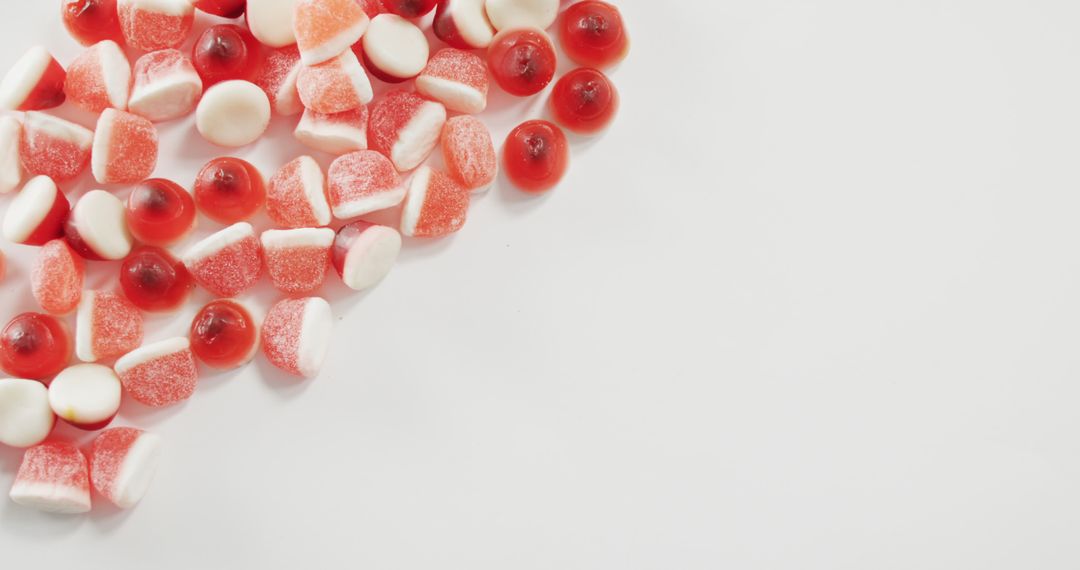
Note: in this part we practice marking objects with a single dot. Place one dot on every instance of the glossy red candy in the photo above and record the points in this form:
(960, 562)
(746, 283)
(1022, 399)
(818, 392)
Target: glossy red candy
(592, 34)
(160, 212)
(91, 21)
(522, 61)
(584, 101)
(409, 8)
(224, 52)
(153, 280)
(535, 156)
(229, 190)
(223, 334)
(223, 8)
(34, 346)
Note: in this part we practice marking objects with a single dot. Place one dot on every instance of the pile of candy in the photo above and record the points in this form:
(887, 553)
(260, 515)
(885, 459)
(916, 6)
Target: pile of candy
(293, 57)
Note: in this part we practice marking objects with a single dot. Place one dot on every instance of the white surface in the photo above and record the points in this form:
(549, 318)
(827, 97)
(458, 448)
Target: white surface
(811, 303)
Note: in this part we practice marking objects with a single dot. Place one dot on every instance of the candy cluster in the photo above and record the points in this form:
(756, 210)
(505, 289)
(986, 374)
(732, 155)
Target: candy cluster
(311, 58)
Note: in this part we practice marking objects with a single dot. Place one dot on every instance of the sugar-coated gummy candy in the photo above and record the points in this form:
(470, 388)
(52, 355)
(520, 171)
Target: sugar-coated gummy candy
(35, 82)
(91, 21)
(297, 259)
(362, 182)
(463, 24)
(53, 477)
(25, 416)
(34, 346)
(435, 206)
(125, 148)
(394, 48)
(159, 374)
(11, 170)
(272, 21)
(335, 86)
(296, 195)
(86, 396)
(296, 335)
(456, 78)
(405, 127)
(336, 134)
(326, 28)
(37, 214)
(106, 326)
(372, 7)
(233, 113)
(507, 14)
(165, 86)
(155, 281)
(228, 262)
(151, 25)
(54, 147)
(123, 461)
(97, 229)
(364, 253)
(56, 278)
(469, 152)
(224, 335)
(278, 76)
(99, 78)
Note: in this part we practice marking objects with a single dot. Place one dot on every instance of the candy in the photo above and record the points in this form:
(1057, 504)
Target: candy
(458, 79)
(296, 196)
(272, 21)
(159, 374)
(435, 206)
(11, 170)
(160, 212)
(34, 346)
(325, 28)
(463, 24)
(91, 21)
(153, 280)
(107, 325)
(336, 134)
(155, 24)
(96, 229)
(36, 81)
(522, 61)
(372, 7)
(223, 335)
(296, 335)
(53, 478)
(99, 78)
(506, 14)
(25, 416)
(593, 34)
(535, 155)
(297, 259)
(336, 86)
(405, 127)
(122, 464)
(277, 77)
(166, 86)
(86, 396)
(54, 147)
(125, 148)
(56, 278)
(409, 8)
(394, 48)
(362, 182)
(584, 101)
(233, 114)
(228, 262)
(364, 253)
(469, 153)
(37, 213)
(224, 8)
(226, 51)
(229, 190)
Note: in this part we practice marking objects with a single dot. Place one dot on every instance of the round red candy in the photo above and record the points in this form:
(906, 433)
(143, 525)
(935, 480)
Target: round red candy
(153, 280)
(223, 334)
(223, 8)
(584, 101)
(535, 156)
(160, 212)
(224, 52)
(229, 190)
(91, 21)
(592, 34)
(34, 346)
(409, 8)
(522, 61)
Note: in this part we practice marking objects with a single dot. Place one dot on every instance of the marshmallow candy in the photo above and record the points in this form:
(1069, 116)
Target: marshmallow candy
(364, 253)
(228, 262)
(456, 78)
(35, 82)
(336, 86)
(463, 24)
(362, 182)
(469, 152)
(86, 396)
(277, 78)
(11, 170)
(394, 48)
(296, 195)
(53, 478)
(405, 127)
(150, 25)
(125, 148)
(166, 86)
(271, 21)
(122, 464)
(37, 213)
(435, 206)
(97, 228)
(296, 335)
(325, 28)
(54, 147)
(506, 14)
(99, 78)
(233, 113)
(107, 325)
(56, 279)
(297, 259)
(336, 134)
(159, 374)
(25, 416)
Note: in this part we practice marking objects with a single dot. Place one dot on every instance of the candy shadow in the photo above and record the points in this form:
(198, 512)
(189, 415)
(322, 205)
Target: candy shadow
(283, 384)
(17, 520)
(514, 200)
(140, 414)
(105, 515)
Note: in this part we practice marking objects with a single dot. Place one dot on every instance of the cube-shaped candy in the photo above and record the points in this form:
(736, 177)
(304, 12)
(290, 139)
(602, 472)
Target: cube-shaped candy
(99, 78)
(159, 374)
(125, 148)
(405, 127)
(25, 416)
(150, 25)
(107, 325)
(97, 228)
(228, 262)
(296, 195)
(469, 152)
(165, 86)
(11, 170)
(296, 335)
(335, 86)
(37, 214)
(86, 396)
(362, 182)
(56, 279)
(336, 134)
(278, 76)
(122, 464)
(456, 78)
(54, 147)
(54, 478)
(364, 253)
(35, 82)
(297, 259)
(271, 21)
(326, 28)
(435, 206)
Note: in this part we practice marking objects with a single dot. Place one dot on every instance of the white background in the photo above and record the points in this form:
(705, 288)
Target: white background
(812, 302)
